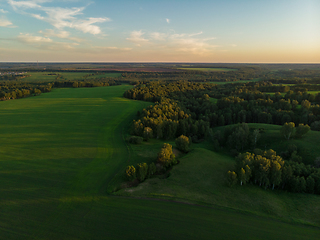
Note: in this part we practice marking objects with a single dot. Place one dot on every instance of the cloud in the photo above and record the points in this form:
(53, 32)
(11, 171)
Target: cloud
(158, 36)
(113, 49)
(233, 45)
(189, 43)
(59, 17)
(27, 38)
(60, 34)
(136, 38)
(5, 23)
(45, 43)
(3, 11)
(167, 20)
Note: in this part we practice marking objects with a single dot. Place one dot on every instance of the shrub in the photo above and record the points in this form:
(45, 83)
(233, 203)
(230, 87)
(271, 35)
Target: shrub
(183, 143)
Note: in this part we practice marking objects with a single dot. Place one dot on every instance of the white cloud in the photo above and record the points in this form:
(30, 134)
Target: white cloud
(191, 43)
(167, 20)
(158, 36)
(117, 49)
(60, 34)
(3, 11)
(5, 23)
(136, 38)
(59, 17)
(27, 38)
(45, 43)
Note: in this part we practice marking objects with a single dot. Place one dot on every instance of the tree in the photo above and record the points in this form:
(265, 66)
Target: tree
(142, 171)
(147, 133)
(302, 130)
(231, 178)
(275, 174)
(166, 157)
(255, 137)
(131, 173)
(183, 143)
(152, 169)
(287, 130)
(310, 184)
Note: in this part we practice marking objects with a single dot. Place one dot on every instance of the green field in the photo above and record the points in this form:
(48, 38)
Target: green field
(61, 152)
(50, 77)
(210, 69)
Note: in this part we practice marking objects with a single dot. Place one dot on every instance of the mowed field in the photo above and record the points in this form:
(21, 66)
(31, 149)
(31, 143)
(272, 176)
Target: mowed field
(59, 154)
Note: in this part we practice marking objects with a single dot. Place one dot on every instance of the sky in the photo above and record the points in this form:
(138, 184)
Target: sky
(207, 31)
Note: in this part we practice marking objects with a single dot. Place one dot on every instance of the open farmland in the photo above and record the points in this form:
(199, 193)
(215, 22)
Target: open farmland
(68, 76)
(59, 153)
(210, 69)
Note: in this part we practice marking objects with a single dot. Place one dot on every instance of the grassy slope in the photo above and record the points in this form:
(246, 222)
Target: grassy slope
(200, 179)
(58, 154)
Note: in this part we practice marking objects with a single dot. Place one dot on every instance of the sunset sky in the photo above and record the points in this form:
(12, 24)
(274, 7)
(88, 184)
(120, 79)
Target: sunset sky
(160, 31)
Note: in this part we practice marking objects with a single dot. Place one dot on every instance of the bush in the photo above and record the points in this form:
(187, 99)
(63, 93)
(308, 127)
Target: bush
(131, 173)
(183, 143)
(135, 140)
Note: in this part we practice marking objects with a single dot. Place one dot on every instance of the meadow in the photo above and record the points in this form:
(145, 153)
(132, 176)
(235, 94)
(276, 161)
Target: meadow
(62, 152)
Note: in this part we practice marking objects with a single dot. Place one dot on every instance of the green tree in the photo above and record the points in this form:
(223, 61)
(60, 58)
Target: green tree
(287, 130)
(152, 169)
(302, 130)
(255, 137)
(183, 143)
(147, 133)
(231, 178)
(310, 184)
(166, 157)
(142, 171)
(131, 173)
(275, 174)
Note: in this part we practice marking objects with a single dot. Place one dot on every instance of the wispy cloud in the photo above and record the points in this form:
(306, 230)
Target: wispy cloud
(45, 42)
(5, 23)
(59, 17)
(3, 11)
(167, 20)
(191, 43)
(60, 34)
(27, 38)
(137, 38)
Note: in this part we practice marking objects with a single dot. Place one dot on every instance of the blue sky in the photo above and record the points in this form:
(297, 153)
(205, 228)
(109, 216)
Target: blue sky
(160, 31)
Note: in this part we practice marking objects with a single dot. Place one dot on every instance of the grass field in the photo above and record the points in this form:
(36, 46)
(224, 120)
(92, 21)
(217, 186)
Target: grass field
(61, 152)
(48, 77)
(210, 69)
